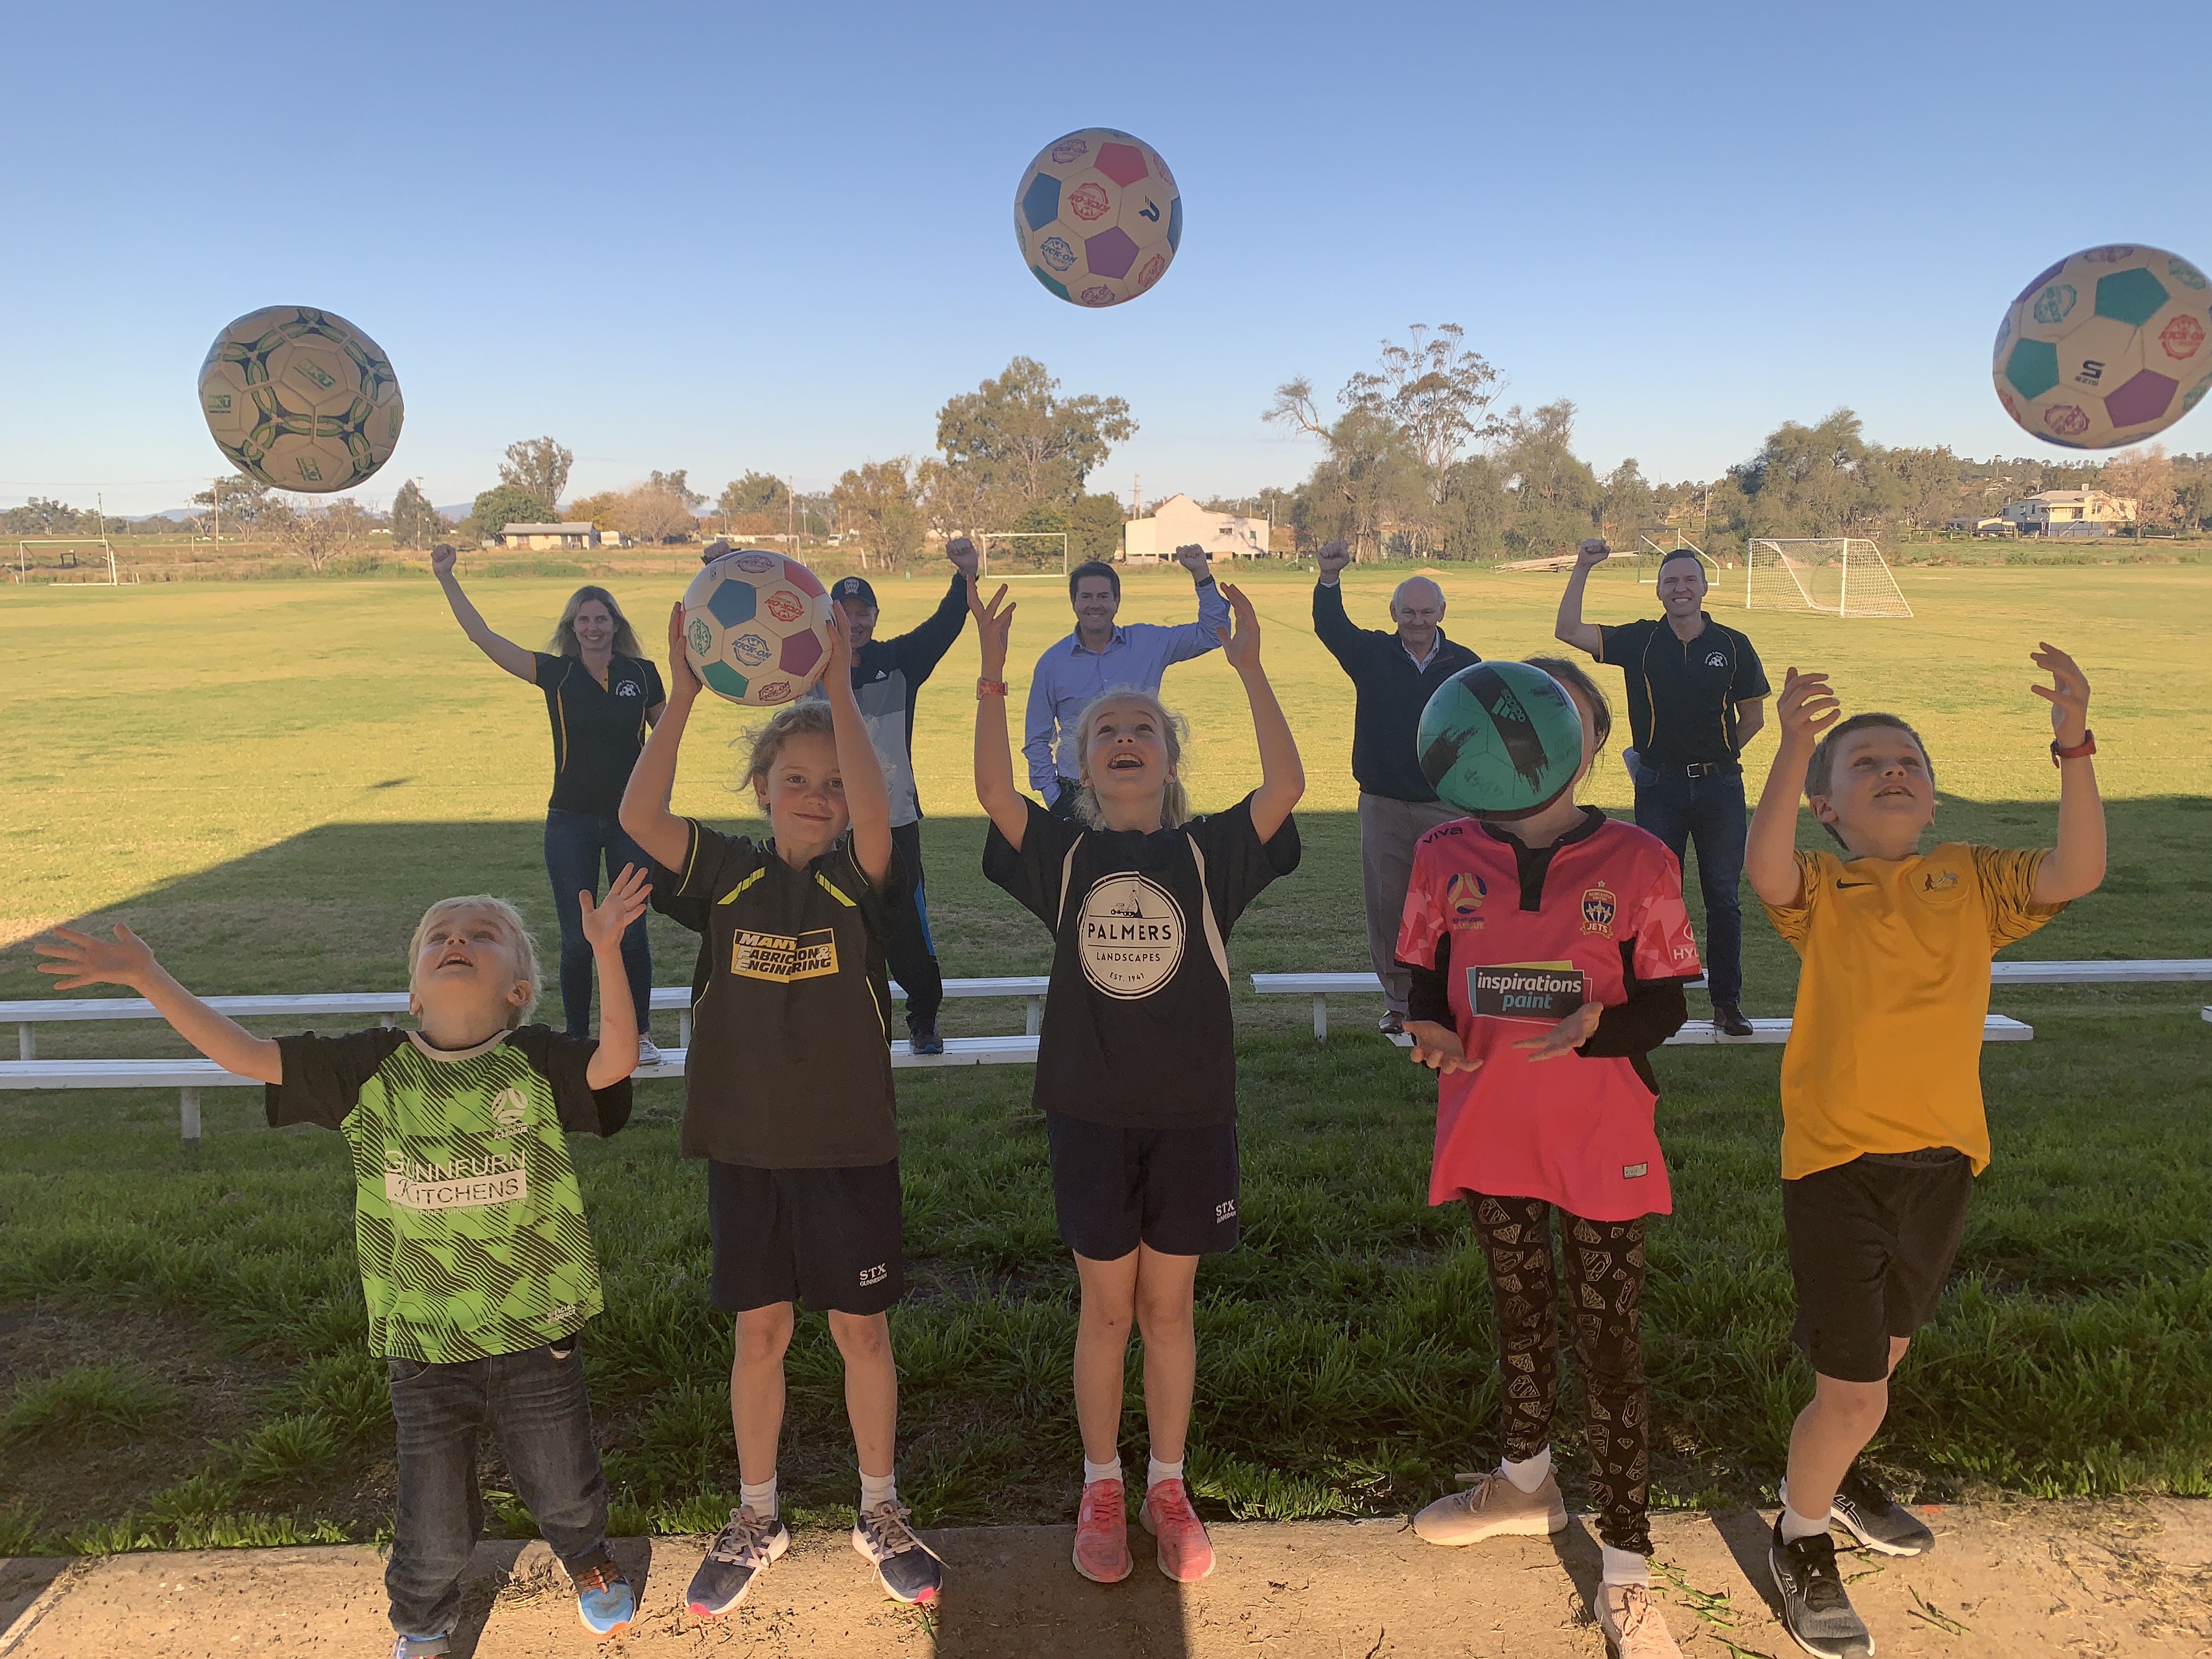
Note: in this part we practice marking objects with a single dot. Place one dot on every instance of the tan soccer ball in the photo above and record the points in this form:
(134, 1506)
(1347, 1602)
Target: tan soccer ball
(1098, 217)
(301, 398)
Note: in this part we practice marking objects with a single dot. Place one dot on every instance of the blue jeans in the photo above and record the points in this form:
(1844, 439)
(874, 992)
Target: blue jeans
(540, 1416)
(1707, 812)
(575, 845)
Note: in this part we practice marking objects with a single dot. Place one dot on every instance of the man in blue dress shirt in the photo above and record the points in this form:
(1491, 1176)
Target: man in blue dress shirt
(1101, 656)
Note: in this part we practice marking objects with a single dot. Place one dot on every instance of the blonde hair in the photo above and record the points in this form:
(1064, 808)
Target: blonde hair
(1175, 800)
(510, 923)
(791, 720)
(564, 642)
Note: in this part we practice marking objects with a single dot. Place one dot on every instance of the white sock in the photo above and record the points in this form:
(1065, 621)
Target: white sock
(1528, 1474)
(1100, 1471)
(1625, 1566)
(760, 1499)
(1159, 1472)
(878, 1489)
(1796, 1526)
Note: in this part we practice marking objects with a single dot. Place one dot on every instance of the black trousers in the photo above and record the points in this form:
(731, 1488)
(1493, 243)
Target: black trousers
(911, 951)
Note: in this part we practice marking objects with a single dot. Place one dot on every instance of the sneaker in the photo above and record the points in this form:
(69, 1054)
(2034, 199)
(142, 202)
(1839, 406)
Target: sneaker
(605, 1603)
(907, 1569)
(1186, 1552)
(648, 1052)
(1102, 1532)
(1815, 1609)
(1877, 1520)
(420, 1647)
(740, 1552)
(1491, 1506)
(922, 1038)
(1729, 1018)
(1391, 1025)
(1631, 1622)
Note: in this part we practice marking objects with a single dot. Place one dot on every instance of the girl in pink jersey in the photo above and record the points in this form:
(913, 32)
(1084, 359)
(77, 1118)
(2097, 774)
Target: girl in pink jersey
(1548, 954)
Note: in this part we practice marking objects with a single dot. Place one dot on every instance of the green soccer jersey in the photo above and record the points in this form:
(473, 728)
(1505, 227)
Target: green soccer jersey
(467, 1218)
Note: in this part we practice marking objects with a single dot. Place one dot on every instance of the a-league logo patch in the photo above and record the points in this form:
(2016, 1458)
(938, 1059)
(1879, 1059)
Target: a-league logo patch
(1463, 896)
(1599, 908)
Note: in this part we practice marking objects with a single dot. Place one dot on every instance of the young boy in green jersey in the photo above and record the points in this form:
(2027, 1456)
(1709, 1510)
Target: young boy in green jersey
(476, 1260)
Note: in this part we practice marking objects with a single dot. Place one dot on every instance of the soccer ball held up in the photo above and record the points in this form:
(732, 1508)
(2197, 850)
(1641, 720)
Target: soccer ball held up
(756, 627)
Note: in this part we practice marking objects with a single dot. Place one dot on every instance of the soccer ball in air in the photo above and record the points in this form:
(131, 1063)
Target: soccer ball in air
(1098, 217)
(756, 627)
(1500, 740)
(301, 398)
(2106, 348)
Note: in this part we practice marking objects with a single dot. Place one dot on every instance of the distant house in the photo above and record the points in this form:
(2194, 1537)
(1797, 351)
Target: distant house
(1180, 520)
(2070, 512)
(541, 536)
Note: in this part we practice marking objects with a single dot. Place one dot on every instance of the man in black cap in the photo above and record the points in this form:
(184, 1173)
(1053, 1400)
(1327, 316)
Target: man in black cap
(1696, 696)
(886, 674)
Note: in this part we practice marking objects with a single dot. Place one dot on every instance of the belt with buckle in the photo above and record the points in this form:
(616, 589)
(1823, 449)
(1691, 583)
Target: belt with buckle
(1697, 768)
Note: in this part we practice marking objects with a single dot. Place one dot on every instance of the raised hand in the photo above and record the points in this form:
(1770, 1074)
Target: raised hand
(1807, 707)
(81, 959)
(2067, 695)
(1568, 1035)
(684, 680)
(965, 559)
(840, 646)
(441, 560)
(994, 626)
(1192, 557)
(1333, 558)
(1241, 648)
(1437, 1048)
(1592, 553)
(605, 922)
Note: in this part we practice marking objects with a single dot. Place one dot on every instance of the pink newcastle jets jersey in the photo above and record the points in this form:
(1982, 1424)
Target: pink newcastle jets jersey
(1575, 1131)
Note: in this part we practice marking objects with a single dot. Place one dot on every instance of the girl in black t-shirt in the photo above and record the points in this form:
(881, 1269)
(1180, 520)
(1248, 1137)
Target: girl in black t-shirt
(603, 694)
(1136, 1067)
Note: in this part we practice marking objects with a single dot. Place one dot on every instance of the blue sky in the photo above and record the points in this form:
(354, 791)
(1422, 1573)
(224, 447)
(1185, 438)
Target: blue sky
(732, 237)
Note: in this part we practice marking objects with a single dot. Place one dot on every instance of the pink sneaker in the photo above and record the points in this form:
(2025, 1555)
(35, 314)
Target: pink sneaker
(1101, 1534)
(1186, 1552)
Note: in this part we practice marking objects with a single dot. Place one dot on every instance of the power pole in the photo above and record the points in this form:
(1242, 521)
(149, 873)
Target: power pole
(214, 488)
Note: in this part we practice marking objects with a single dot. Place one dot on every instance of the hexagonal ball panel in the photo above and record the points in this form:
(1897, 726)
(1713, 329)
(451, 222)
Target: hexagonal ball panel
(2181, 339)
(2131, 296)
(1123, 163)
(1111, 254)
(734, 601)
(2145, 397)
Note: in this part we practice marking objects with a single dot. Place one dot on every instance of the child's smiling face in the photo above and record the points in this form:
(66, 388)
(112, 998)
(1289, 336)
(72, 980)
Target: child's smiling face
(466, 978)
(1127, 760)
(1881, 795)
(803, 792)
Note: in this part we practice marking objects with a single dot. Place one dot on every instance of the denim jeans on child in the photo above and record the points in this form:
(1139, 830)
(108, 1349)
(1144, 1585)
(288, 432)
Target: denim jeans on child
(534, 1404)
(1707, 811)
(576, 843)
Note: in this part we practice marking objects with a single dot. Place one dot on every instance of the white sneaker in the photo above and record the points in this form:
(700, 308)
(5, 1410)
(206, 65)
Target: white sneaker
(1632, 1621)
(648, 1052)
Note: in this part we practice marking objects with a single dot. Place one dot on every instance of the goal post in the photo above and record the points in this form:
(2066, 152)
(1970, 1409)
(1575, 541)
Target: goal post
(67, 561)
(1838, 575)
(1654, 544)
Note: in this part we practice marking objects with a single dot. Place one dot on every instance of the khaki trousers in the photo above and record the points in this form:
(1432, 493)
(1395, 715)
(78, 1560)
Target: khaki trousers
(1388, 830)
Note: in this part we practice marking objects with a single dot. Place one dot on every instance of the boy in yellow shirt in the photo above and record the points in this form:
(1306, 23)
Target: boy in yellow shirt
(1882, 1125)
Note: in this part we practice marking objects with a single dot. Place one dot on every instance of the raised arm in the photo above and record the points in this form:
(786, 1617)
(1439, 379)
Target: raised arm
(1570, 628)
(518, 660)
(1282, 774)
(79, 959)
(644, 815)
(1805, 708)
(867, 798)
(604, 924)
(1196, 639)
(2076, 865)
(919, 650)
(1332, 627)
(995, 753)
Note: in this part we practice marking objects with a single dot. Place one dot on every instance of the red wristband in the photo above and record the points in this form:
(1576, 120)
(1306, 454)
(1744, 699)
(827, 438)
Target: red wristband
(989, 688)
(2087, 746)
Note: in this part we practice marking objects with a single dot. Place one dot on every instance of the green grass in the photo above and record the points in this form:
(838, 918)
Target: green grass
(294, 770)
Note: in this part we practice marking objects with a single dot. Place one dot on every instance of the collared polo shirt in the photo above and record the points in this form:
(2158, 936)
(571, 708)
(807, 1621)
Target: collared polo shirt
(1682, 694)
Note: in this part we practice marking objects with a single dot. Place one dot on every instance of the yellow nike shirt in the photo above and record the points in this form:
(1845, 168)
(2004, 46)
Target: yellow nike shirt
(1885, 1052)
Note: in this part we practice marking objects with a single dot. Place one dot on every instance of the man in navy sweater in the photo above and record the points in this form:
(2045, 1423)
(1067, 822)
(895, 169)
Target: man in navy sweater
(1393, 675)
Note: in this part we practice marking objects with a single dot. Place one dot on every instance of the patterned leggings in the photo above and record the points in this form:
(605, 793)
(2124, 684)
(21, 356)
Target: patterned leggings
(1605, 1281)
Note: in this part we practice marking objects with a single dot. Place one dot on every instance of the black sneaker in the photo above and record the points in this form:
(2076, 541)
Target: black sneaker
(1729, 1018)
(739, 1553)
(1877, 1520)
(922, 1038)
(907, 1568)
(1391, 1025)
(1815, 1609)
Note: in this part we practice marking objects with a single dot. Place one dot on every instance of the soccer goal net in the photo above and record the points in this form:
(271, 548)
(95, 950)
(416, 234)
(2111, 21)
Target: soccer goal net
(68, 560)
(1653, 545)
(1842, 575)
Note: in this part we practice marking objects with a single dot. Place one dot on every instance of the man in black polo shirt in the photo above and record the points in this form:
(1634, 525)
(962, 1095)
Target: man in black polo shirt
(1393, 674)
(1696, 696)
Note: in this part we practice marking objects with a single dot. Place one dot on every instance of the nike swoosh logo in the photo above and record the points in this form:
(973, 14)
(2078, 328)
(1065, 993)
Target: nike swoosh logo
(1842, 884)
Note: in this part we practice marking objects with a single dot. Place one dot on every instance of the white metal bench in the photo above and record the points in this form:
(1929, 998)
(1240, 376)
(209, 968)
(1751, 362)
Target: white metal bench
(1322, 986)
(189, 1077)
(1996, 1028)
(385, 1007)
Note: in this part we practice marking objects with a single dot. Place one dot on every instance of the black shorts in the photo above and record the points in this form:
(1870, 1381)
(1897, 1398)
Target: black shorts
(1870, 1245)
(1174, 1189)
(826, 1239)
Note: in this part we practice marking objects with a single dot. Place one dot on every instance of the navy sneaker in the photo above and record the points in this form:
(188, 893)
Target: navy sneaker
(922, 1038)
(1815, 1612)
(605, 1602)
(740, 1552)
(907, 1569)
(421, 1647)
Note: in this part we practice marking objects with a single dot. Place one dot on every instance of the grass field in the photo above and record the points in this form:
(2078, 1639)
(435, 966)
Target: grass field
(270, 780)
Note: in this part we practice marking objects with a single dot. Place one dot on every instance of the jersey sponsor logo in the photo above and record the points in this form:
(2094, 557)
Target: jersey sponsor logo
(466, 1183)
(811, 954)
(1463, 896)
(1939, 881)
(560, 1316)
(509, 1111)
(629, 689)
(1716, 659)
(1599, 908)
(1130, 936)
(1631, 1171)
(1546, 991)
(877, 1274)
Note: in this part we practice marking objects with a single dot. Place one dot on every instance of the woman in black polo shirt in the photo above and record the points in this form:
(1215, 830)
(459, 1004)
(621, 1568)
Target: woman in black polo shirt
(603, 694)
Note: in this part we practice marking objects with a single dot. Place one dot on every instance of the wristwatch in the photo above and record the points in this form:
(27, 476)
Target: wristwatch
(989, 688)
(2087, 746)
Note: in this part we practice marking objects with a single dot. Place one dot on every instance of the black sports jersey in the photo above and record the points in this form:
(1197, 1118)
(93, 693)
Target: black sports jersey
(598, 731)
(1137, 1025)
(886, 674)
(1682, 694)
(790, 1064)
